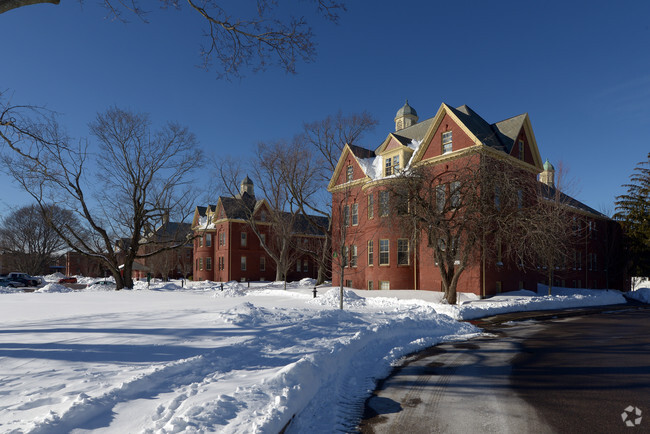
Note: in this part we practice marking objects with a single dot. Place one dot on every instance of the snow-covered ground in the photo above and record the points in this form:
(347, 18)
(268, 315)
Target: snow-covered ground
(198, 359)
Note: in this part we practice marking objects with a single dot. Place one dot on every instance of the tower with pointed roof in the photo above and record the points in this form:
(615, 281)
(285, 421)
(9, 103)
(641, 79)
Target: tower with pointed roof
(548, 174)
(246, 186)
(405, 117)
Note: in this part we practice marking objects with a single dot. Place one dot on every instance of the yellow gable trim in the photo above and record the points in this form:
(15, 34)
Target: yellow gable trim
(528, 130)
(339, 167)
(428, 137)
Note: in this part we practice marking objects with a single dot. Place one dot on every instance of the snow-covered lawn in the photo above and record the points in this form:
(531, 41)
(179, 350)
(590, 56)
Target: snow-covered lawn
(198, 359)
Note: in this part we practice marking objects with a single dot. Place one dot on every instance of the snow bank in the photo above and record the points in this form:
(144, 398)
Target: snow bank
(197, 359)
(641, 294)
(332, 298)
(54, 287)
(523, 301)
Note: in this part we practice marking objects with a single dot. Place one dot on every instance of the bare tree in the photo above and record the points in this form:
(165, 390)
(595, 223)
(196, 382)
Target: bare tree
(277, 242)
(325, 140)
(329, 136)
(138, 176)
(30, 243)
(254, 37)
(466, 210)
(546, 233)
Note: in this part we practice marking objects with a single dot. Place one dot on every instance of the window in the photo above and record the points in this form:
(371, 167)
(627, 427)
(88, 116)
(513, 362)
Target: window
(384, 284)
(305, 265)
(592, 229)
(521, 150)
(383, 252)
(370, 288)
(454, 192)
(371, 253)
(499, 287)
(349, 173)
(208, 263)
(579, 260)
(221, 263)
(392, 165)
(346, 215)
(208, 240)
(355, 214)
(520, 199)
(222, 238)
(497, 198)
(383, 203)
(346, 252)
(440, 197)
(263, 216)
(263, 238)
(348, 283)
(200, 263)
(446, 142)
(243, 263)
(499, 252)
(353, 255)
(201, 241)
(371, 206)
(298, 265)
(262, 263)
(402, 252)
(244, 239)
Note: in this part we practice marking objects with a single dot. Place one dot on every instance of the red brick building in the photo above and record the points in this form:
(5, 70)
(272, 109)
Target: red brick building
(168, 264)
(226, 248)
(380, 257)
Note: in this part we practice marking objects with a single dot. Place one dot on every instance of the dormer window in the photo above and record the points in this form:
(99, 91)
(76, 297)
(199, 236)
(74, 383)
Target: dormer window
(349, 173)
(521, 149)
(446, 142)
(392, 165)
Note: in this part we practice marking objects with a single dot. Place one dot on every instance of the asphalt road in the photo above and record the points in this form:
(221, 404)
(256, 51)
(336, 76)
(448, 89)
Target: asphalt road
(572, 374)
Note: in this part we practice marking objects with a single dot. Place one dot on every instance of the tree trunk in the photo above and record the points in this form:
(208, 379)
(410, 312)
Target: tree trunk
(342, 274)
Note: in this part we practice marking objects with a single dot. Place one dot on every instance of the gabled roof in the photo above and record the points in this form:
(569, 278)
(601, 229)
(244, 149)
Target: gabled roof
(303, 226)
(499, 136)
(415, 132)
(170, 231)
(238, 207)
(360, 152)
(509, 129)
(477, 126)
(549, 192)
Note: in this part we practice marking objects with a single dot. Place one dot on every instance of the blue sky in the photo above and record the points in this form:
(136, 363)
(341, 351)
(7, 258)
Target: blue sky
(580, 69)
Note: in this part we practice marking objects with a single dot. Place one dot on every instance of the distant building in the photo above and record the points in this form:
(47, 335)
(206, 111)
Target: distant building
(226, 248)
(76, 264)
(174, 263)
(379, 255)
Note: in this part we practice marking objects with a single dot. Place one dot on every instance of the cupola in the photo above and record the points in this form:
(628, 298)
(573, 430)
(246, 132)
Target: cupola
(246, 186)
(405, 117)
(548, 175)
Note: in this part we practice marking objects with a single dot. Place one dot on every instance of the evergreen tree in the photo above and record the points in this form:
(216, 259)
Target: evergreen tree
(633, 211)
